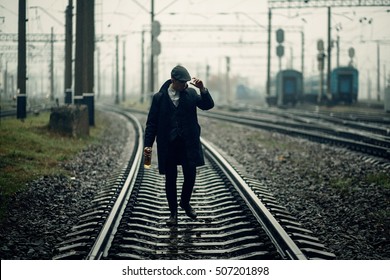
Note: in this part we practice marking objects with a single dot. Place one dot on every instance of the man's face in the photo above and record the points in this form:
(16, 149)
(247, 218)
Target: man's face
(179, 85)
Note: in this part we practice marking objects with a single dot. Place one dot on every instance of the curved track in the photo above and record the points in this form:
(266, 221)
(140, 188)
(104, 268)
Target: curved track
(237, 219)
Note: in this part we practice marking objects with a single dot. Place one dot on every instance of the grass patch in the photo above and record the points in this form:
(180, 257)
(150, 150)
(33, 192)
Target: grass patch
(342, 185)
(28, 150)
(346, 185)
(256, 138)
(381, 179)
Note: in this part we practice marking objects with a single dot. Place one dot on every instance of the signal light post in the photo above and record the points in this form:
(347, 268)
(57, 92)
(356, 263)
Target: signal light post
(280, 53)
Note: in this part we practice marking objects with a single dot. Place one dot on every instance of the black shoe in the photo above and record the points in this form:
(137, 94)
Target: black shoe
(190, 212)
(172, 221)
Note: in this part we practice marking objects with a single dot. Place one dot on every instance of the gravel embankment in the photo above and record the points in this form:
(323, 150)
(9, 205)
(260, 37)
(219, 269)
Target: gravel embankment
(40, 217)
(330, 190)
(326, 188)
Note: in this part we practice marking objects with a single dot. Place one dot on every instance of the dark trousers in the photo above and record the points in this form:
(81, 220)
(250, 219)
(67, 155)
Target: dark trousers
(177, 156)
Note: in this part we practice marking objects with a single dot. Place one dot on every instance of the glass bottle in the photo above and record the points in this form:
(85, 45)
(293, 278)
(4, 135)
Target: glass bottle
(147, 157)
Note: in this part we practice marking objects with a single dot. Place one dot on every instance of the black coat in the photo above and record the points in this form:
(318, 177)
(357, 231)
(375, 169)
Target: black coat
(158, 123)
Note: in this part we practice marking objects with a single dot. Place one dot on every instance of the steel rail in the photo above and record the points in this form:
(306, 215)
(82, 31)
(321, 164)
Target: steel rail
(352, 121)
(113, 240)
(332, 117)
(367, 148)
(283, 242)
(111, 229)
(106, 235)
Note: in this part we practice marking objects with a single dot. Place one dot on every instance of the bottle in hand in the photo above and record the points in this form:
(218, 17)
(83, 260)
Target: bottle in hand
(147, 157)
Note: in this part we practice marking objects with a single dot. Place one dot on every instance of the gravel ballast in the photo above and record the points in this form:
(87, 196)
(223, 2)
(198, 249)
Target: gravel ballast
(331, 191)
(328, 189)
(40, 217)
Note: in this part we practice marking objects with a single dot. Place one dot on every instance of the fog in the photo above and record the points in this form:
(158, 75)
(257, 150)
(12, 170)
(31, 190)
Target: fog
(198, 34)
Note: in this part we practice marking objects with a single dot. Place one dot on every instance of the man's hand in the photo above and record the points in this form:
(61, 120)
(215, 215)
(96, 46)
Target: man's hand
(197, 83)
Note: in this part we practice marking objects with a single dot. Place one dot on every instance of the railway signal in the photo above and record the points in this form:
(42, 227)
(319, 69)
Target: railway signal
(280, 36)
(280, 53)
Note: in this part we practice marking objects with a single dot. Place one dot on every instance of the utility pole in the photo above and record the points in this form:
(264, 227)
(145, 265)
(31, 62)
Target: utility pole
(329, 55)
(268, 89)
(207, 74)
(303, 61)
(151, 85)
(368, 85)
(116, 70)
(68, 52)
(99, 90)
(228, 90)
(384, 78)
(378, 72)
(320, 58)
(142, 66)
(124, 72)
(52, 65)
(6, 80)
(21, 94)
(338, 50)
(303, 53)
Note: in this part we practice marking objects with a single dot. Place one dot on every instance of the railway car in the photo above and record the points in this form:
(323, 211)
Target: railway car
(344, 84)
(289, 87)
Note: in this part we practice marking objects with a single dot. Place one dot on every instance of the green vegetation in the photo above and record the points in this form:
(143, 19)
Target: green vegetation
(382, 179)
(342, 185)
(346, 185)
(29, 150)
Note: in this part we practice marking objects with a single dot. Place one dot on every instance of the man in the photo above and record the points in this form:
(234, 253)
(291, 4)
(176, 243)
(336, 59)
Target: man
(173, 122)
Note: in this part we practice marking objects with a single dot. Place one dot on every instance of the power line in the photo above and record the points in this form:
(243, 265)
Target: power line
(285, 4)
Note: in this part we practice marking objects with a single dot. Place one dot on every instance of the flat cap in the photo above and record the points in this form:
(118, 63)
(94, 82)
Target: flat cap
(180, 73)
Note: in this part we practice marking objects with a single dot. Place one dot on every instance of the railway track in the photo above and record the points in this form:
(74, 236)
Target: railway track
(374, 144)
(369, 139)
(238, 218)
(363, 133)
(375, 124)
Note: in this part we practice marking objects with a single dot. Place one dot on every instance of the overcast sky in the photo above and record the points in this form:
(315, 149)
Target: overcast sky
(187, 36)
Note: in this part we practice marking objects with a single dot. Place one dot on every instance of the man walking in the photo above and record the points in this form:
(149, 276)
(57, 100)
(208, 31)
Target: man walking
(173, 123)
